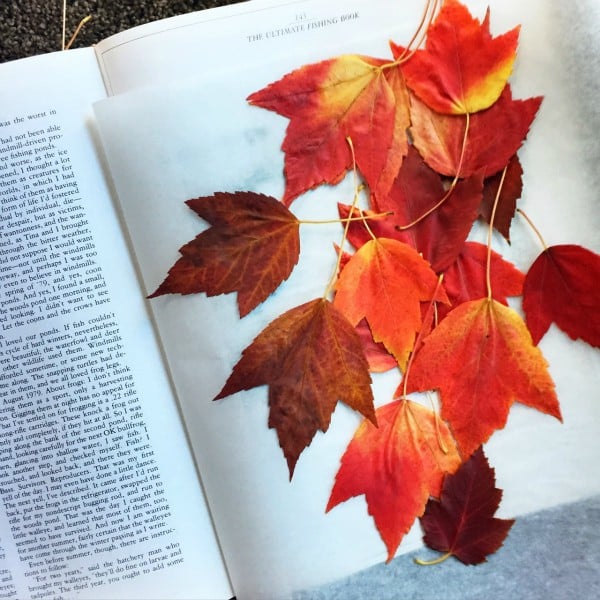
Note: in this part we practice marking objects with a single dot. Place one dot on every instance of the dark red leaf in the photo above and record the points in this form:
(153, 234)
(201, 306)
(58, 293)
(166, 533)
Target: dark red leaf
(512, 187)
(440, 236)
(462, 522)
(253, 245)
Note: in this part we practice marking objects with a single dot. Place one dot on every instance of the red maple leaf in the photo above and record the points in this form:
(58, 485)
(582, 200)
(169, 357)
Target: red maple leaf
(463, 69)
(349, 97)
(440, 236)
(379, 359)
(252, 246)
(482, 359)
(397, 466)
(462, 523)
(465, 279)
(493, 138)
(562, 287)
(310, 357)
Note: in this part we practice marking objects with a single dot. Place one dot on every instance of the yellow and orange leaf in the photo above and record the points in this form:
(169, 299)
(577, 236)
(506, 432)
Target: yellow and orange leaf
(397, 466)
(311, 358)
(384, 283)
(482, 359)
(328, 102)
(462, 69)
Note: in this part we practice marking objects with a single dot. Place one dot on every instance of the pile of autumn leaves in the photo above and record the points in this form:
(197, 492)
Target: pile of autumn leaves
(434, 134)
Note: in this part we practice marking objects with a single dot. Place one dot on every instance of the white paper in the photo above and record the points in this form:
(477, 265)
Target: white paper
(213, 41)
(69, 83)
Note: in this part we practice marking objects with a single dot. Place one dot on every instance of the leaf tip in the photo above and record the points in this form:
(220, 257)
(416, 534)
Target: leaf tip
(159, 291)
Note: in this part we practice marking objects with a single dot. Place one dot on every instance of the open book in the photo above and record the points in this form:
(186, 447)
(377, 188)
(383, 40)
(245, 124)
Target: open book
(119, 475)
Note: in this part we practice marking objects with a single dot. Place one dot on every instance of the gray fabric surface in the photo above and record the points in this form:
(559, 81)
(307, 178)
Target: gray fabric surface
(550, 555)
(29, 27)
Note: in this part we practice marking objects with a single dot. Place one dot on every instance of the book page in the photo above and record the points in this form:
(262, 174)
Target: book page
(100, 497)
(218, 40)
(168, 145)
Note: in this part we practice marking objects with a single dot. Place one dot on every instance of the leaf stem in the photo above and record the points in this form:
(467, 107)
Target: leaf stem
(357, 188)
(535, 229)
(362, 217)
(452, 185)
(429, 14)
(488, 266)
(419, 338)
(64, 24)
(438, 433)
(435, 561)
(79, 27)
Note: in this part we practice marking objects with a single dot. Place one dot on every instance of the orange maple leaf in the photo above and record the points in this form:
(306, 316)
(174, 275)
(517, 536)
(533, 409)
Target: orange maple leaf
(328, 102)
(252, 246)
(482, 359)
(384, 282)
(462, 69)
(310, 357)
(397, 466)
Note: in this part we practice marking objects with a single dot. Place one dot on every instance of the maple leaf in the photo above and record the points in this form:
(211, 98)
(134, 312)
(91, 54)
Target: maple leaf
(482, 359)
(381, 182)
(379, 359)
(493, 138)
(465, 279)
(384, 282)
(397, 466)
(328, 102)
(440, 236)
(512, 186)
(252, 246)
(310, 357)
(562, 287)
(462, 522)
(463, 69)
